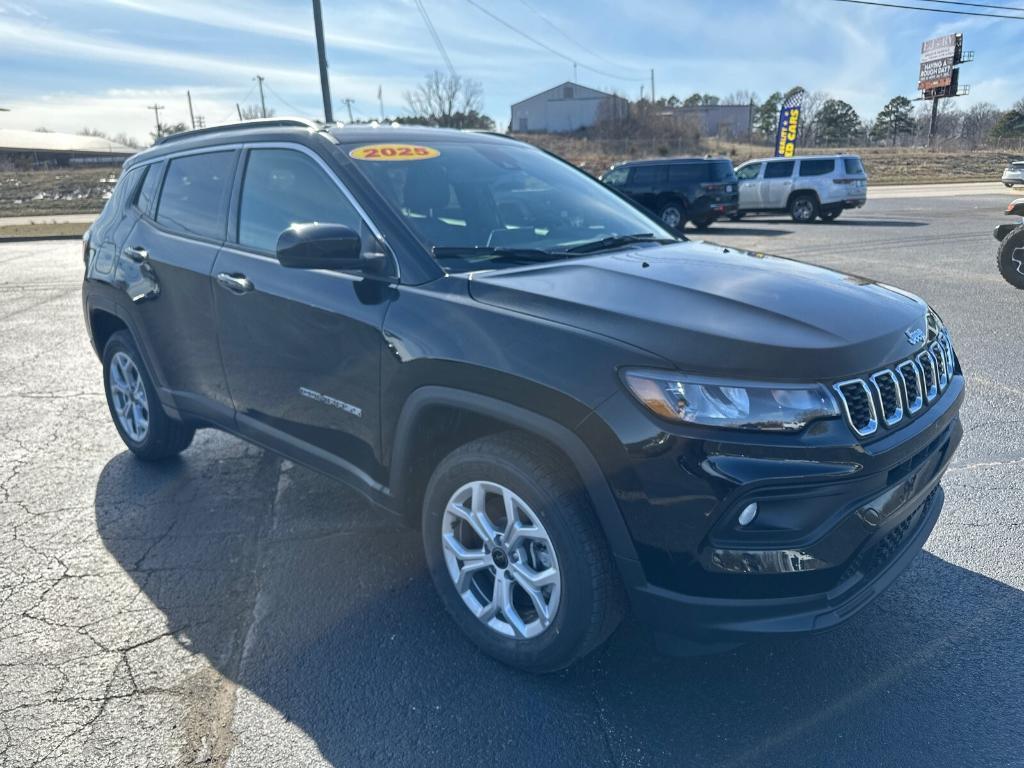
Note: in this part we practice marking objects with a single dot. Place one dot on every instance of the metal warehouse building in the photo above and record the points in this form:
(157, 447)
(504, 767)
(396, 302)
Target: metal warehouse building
(565, 108)
(45, 148)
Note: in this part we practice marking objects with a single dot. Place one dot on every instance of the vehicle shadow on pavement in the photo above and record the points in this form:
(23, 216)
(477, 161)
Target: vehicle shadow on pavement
(729, 230)
(320, 606)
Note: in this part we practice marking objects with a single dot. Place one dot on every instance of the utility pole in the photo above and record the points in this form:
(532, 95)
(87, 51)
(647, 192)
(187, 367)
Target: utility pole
(652, 85)
(191, 114)
(321, 53)
(348, 103)
(575, 77)
(263, 102)
(240, 118)
(156, 112)
(380, 99)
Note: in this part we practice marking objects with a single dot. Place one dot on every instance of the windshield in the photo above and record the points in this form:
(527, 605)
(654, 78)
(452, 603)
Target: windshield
(482, 206)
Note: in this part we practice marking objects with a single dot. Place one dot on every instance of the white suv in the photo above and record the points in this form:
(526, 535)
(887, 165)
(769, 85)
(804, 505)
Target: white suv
(807, 187)
(1014, 173)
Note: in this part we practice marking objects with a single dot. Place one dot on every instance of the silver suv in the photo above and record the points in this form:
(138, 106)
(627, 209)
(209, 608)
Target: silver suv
(1014, 173)
(806, 187)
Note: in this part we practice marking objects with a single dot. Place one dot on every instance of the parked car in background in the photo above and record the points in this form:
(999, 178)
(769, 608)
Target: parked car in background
(698, 190)
(1010, 256)
(1014, 173)
(822, 186)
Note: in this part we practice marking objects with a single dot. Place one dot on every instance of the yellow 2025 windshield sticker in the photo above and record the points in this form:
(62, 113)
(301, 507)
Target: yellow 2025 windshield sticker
(393, 152)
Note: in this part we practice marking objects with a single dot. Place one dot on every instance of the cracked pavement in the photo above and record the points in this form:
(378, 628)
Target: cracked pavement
(231, 609)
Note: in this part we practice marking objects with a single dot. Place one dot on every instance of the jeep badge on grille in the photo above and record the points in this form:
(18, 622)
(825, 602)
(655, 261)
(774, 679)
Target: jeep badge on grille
(915, 336)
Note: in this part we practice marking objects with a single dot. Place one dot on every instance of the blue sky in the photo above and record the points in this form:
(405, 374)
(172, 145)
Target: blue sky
(69, 64)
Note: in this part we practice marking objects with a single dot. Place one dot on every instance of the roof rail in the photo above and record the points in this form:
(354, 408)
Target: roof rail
(268, 122)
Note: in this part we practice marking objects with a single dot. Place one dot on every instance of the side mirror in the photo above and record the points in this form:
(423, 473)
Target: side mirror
(325, 246)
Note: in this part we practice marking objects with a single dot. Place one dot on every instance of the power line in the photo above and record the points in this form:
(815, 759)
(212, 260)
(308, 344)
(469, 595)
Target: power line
(279, 97)
(929, 10)
(545, 46)
(437, 38)
(567, 36)
(975, 5)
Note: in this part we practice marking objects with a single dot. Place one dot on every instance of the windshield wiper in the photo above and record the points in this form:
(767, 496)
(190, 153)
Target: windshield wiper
(519, 254)
(617, 241)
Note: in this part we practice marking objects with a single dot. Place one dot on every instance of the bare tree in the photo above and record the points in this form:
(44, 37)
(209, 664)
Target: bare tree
(446, 100)
(740, 98)
(977, 124)
(255, 111)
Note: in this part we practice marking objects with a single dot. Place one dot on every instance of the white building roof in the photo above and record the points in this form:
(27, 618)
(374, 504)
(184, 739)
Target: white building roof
(13, 139)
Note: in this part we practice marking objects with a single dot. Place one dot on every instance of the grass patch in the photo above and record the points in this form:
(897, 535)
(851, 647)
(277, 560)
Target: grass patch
(42, 230)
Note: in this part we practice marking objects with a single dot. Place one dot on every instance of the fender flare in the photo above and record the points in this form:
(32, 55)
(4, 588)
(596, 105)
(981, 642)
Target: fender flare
(594, 482)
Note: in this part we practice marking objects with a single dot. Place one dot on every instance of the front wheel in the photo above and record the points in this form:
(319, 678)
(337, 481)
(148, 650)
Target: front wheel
(673, 216)
(803, 208)
(1010, 258)
(134, 406)
(516, 554)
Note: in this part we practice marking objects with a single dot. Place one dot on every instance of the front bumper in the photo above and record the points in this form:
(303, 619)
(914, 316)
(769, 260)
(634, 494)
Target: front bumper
(680, 495)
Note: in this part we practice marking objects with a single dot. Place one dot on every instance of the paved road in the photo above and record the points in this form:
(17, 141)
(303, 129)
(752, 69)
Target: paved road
(231, 609)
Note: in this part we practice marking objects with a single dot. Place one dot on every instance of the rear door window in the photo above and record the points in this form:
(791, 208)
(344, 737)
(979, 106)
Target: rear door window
(194, 196)
(780, 169)
(684, 172)
(648, 175)
(853, 165)
(817, 167)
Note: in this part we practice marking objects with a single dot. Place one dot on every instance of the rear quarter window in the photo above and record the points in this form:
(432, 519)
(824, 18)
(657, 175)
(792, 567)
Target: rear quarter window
(194, 194)
(147, 191)
(817, 167)
(853, 165)
(683, 172)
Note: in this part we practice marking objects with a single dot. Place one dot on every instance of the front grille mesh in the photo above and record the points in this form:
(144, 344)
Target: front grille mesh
(891, 396)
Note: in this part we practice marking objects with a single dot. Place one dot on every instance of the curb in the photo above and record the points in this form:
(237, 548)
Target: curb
(36, 238)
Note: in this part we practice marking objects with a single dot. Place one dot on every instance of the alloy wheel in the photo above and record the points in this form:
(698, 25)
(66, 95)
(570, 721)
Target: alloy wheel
(501, 560)
(803, 209)
(671, 216)
(129, 397)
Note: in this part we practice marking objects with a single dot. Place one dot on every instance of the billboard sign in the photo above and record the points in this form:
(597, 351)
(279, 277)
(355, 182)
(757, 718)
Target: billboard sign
(938, 58)
(789, 125)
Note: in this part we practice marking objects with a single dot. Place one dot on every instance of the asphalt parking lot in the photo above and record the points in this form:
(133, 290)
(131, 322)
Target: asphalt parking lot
(229, 608)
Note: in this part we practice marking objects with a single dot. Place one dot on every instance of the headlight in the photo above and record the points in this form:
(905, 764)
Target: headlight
(738, 405)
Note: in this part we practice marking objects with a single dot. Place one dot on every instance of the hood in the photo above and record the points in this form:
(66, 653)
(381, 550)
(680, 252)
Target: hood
(717, 311)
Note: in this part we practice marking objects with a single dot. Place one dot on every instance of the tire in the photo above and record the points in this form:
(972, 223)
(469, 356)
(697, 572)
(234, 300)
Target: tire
(673, 216)
(1008, 185)
(736, 216)
(148, 432)
(803, 208)
(1010, 258)
(832, 215)
(703, 224)
(567, 540)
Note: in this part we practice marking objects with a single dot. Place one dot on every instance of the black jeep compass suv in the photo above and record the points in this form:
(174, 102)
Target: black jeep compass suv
(583, 411)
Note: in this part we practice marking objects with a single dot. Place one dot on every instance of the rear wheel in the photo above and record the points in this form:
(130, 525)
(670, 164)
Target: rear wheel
(673, 215)
(134, 404)
(736, 216)
(803, 208)
(516, 554)
(704, 223)
(1008, 184)
(1010, 258)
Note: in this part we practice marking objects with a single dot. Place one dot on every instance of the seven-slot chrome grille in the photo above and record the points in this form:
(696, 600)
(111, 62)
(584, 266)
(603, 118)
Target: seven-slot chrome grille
(894, 394)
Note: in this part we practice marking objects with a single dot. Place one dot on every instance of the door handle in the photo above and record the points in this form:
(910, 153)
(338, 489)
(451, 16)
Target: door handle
(235, 283)
(136, 253)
